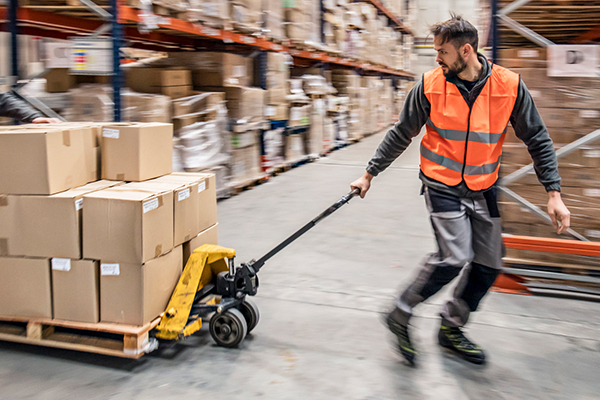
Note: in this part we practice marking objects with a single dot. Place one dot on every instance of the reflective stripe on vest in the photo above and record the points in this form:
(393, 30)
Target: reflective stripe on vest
(463, 143)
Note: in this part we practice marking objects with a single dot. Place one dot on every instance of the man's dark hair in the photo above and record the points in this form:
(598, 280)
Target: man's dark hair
(457, 30)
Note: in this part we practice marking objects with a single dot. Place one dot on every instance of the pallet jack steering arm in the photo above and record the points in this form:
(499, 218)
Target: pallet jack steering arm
(245, 276)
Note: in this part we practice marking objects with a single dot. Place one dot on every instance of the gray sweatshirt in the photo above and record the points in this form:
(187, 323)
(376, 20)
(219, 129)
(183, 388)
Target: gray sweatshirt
(525, 119)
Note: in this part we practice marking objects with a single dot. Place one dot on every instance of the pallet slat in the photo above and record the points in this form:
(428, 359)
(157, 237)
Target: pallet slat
(133, 342)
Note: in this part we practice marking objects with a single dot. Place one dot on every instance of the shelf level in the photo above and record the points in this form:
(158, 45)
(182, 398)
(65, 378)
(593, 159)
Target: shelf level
(379, 5)
(174, 33)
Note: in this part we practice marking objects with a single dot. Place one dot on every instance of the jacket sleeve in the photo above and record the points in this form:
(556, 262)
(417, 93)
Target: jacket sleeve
(530, 128)
(13, 107)
(412, 118)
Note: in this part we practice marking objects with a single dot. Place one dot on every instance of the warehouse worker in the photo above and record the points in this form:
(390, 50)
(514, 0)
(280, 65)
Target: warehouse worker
(13, 107)
(466, 103)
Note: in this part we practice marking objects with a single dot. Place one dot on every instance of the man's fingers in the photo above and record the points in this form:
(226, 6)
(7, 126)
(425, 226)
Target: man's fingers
(565, 221)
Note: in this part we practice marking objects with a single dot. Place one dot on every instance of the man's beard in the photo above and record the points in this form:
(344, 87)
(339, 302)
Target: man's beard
(456, 68)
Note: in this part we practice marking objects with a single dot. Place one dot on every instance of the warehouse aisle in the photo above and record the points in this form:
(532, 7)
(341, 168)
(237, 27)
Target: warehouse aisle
(320, 335)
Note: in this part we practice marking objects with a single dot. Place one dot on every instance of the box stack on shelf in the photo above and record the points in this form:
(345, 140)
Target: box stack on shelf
(570, 108)
(76, 248)
(278, 75)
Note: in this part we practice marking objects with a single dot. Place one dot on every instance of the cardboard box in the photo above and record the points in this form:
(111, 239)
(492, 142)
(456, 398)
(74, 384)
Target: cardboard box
(276, 95)
(124, 225)
(45, 226)
(75, 290)
(25, 289)
(277, 112)
(197, 103)
(134, 293)
(217, 69)
(136, 151)
(244, 139)
(47, 160)
(186, 198)
(59, 80)
(152, 80)
(244, 103)
(207, 194)
(300, 115)
(245, 163)
(209, 236)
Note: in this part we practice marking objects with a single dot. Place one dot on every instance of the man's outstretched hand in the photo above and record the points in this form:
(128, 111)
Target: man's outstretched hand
(42, 120)
(558, 212)
(363, 183)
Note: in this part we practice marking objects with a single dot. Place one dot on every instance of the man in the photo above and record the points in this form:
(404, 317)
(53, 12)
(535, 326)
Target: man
(466, 104)
(13, 107)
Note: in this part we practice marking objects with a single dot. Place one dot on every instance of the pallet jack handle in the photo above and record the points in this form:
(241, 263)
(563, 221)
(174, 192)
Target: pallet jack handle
(257, 265)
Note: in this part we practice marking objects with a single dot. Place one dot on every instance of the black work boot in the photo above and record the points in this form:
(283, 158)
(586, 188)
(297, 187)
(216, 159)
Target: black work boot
(453, 339)
(399, 329)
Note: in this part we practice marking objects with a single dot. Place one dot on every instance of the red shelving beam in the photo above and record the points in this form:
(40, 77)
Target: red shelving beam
(549, 245)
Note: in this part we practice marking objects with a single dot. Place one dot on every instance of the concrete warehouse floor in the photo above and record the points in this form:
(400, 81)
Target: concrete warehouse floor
(320, 335)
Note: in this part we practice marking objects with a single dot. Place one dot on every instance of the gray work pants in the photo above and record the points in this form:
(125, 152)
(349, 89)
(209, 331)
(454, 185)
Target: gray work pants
(468, 233)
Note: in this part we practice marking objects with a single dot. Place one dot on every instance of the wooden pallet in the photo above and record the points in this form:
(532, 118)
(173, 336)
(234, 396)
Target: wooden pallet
(239, 186)
(290, 164)
(102, 338)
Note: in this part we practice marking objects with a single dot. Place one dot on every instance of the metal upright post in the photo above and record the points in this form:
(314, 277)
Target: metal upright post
(322, 21)
(494, 31)
(117, 77)
(13, 5)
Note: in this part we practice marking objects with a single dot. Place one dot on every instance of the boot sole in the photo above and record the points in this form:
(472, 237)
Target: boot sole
(409, 357)
(452, 349)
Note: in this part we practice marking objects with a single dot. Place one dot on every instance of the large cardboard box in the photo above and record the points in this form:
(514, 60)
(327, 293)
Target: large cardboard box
(202, 101)
(76, 290)
(25, 289)
(244, 103)
(159, 80)
(245, 163)
(277, 112)
(217, 69)
(47, 160)
(136, 151)
(135, 293)
(209, 236)
(186, 198)
(45, 226)
(207, 194)
(124, 225)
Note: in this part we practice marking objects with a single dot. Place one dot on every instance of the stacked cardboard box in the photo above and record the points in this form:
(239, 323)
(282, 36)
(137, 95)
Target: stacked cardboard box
(212, 13)
(246, 15)
(297, 20)
(372, 87)
(101, 251)
(91, 103)
(570, 108)
(273, 19)
(172, 82)
(278, 74)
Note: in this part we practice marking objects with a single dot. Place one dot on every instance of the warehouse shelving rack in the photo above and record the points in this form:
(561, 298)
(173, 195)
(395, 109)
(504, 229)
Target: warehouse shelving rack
(172, 34)
(512, 280)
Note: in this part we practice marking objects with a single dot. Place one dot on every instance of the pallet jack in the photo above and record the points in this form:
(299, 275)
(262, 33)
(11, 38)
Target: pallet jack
(211, 285)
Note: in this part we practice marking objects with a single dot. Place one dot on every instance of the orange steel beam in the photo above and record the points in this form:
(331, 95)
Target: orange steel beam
(589, 36)
(553, 245)
(40, 21)
(379, 5)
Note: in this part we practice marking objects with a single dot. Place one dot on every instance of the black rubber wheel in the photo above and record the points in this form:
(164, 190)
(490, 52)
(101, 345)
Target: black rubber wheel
(250, 312)
(229, 328)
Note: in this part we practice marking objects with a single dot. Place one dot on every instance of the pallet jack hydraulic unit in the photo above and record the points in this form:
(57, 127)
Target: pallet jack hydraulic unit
(211, 283)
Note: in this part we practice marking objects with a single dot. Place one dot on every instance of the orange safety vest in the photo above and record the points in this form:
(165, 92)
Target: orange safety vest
(465, 143)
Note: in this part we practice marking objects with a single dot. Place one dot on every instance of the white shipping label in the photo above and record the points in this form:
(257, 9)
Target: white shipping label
(269, 111)
(202, 187)
(110, 133)
(528, 54)
(591, 192)
(109, 269)
(295, 113)
(184, 194)
(61, 264)
(592, 153)
(78, 204)
(150, 205)
(573, 60)
(589, 114)
(239, 70)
